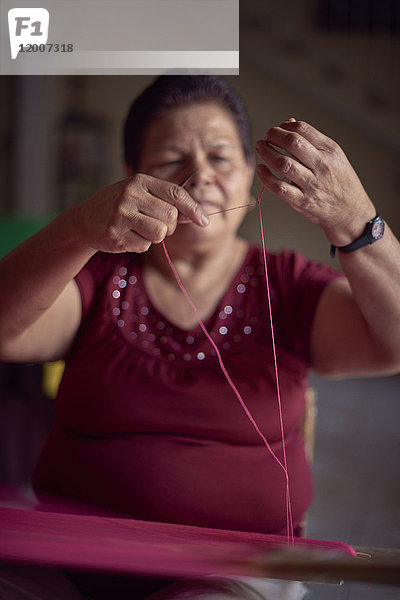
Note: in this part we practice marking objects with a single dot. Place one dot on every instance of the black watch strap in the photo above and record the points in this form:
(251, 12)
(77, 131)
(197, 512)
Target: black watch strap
(373, 232)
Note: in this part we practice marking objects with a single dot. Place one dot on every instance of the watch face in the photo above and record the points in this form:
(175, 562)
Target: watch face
(377, 229)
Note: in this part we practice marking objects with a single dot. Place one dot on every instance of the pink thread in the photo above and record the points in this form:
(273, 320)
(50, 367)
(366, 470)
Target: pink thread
(289, 518)
(233, 208)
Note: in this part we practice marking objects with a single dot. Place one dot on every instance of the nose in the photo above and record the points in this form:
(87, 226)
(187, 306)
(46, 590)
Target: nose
(204, 173)
(186, 180)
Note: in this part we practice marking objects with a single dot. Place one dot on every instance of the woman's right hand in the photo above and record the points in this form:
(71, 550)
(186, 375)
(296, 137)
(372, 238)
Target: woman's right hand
(132, 214)
(40, 306)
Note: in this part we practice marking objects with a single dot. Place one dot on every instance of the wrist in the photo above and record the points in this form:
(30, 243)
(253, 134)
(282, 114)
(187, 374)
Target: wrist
(345, 232)
(74, 234)
(372, 232)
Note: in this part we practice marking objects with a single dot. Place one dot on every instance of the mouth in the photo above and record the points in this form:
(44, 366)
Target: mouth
(212, 208)
(209, 206)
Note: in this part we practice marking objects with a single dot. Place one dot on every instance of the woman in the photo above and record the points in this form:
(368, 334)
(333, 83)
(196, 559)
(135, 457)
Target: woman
(147, 424)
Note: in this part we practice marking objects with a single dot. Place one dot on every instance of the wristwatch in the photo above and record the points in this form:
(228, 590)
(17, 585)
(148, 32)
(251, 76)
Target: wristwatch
(373, 232)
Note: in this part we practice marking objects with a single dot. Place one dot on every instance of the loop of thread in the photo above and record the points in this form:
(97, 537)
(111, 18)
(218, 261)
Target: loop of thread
(283, 465)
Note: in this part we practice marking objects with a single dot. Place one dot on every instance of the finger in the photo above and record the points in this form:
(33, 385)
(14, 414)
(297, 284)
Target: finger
(134, 242)
(159, 210)
(179, 197)
(281, 188)
(283, 164)
(316, 138)
(152, 230)
(294, 144)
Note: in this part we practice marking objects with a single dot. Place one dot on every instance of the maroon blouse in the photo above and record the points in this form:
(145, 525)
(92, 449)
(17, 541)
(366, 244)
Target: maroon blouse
(147, 424)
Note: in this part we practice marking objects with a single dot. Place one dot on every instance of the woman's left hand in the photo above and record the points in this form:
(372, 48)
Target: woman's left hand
(319, 181)
(356, 328)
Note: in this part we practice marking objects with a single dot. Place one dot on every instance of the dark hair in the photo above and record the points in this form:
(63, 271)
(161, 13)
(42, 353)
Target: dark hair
(172, 91)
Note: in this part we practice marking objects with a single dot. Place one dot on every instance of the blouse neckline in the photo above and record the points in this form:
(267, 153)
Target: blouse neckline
(222, 302)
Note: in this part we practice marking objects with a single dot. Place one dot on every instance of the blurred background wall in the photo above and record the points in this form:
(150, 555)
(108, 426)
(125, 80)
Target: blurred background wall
(335, 64)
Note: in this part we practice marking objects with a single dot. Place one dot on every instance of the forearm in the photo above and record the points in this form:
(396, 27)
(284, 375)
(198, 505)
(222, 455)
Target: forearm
(374, 276)
(34, 274)
(127, 216)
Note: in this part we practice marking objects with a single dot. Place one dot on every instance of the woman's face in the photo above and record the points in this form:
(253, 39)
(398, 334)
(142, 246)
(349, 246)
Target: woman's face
(202, 137)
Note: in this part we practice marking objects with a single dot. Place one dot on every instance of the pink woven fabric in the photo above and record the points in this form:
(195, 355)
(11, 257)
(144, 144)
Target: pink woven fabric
(135, 547)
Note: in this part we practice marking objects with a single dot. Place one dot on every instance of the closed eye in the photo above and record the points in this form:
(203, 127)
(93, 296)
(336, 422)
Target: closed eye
(219, 159)
(177, 161)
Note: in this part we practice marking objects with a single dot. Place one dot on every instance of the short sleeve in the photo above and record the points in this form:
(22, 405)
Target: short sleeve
(300, 285)
(90, 278)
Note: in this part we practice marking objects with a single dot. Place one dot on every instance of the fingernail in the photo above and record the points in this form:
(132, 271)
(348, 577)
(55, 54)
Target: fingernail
(204, 220)
(291, 120)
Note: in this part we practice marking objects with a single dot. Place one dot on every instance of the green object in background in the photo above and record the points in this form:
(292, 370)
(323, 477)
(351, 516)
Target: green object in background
(14, 230)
